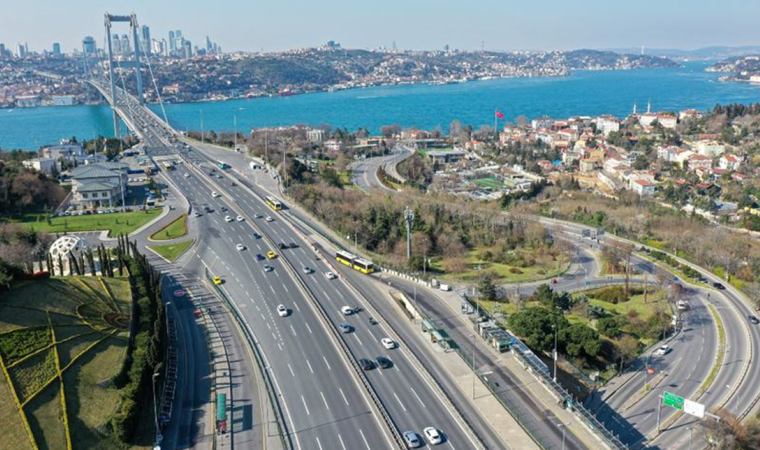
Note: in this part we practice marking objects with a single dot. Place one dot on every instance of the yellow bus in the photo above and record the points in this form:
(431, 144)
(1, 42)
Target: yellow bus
(274, 203)
(354, 262)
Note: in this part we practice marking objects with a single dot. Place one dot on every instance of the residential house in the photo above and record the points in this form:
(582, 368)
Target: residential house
(666, 120)
(44, 165)
(446, 156)
(711, 149)
(729, 162)
(699, 162)
(99, 184)
(643, 187)
(607, 124)
(65, 150)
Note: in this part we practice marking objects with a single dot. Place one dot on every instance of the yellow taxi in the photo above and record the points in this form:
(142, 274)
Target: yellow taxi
(217, 280)
(271, 254)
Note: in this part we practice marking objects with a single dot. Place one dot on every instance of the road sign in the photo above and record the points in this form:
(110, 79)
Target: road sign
(694, 408)
(672, 400)
(179, 293)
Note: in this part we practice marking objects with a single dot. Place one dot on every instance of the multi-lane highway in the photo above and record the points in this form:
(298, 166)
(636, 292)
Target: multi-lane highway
(365, 171)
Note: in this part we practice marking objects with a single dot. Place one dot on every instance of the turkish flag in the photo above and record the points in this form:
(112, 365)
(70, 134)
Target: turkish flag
(499, 115)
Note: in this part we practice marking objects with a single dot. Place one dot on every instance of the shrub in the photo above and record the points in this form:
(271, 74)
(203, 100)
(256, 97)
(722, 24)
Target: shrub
(609, 326)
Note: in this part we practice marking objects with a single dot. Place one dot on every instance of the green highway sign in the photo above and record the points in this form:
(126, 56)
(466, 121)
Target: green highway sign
(672, 400)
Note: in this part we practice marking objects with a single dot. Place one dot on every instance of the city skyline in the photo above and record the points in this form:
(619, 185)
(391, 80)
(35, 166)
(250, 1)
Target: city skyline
(498, 26)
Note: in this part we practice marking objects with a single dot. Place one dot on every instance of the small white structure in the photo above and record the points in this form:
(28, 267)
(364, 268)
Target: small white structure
(62, 246)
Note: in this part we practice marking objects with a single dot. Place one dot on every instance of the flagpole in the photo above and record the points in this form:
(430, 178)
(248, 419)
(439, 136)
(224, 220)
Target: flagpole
(495, 119)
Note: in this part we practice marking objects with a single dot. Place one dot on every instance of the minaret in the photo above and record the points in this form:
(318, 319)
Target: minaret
(634, 108)
(649, 106)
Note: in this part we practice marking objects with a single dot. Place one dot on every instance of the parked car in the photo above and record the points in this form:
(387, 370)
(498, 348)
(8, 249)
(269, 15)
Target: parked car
(663, 350)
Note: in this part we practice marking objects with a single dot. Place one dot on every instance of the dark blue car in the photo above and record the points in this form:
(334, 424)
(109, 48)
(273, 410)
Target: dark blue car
(260, 257)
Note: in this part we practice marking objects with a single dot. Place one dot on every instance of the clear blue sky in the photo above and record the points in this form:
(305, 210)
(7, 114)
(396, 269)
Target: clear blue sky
(413, 24)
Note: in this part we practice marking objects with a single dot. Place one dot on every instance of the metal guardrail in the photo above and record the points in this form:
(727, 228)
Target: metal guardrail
(271, 393)
(529, 359)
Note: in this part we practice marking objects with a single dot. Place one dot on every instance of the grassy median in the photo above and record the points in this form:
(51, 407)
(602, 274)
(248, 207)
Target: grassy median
(174, 230)
(172, 251)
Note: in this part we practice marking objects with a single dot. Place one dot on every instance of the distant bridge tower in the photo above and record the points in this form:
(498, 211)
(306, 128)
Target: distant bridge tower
(132, 20)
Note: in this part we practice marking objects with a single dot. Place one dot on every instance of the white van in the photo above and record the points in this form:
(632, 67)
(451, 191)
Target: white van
(445, 287)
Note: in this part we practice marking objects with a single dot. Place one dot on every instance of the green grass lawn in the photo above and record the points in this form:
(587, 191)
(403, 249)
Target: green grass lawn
(89, 401)
(543, 269)
(176, 229)
(490, 182)
(115, 223)
(636, 303)
(172, 251)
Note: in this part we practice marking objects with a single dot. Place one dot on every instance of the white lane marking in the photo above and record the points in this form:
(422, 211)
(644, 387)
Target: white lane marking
(324, 400)
(291, 370)
(286, 289)
(328, 364)
(418, 398)
(307, 325)
(293, 330)
(399, 401)
(360, 341)
(305, 406)
(343, 395)
(319, 444)
(340, 438)
(364, 439)
(270, 328)
(280, 346)
(309, 364)
(299, 310)
(272, 289)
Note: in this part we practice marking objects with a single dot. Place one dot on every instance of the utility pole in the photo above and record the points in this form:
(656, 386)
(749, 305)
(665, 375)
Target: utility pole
(234, 121)
(155, 406)
(473, 366)
(659, 411)
(409, 216)
(555, 352)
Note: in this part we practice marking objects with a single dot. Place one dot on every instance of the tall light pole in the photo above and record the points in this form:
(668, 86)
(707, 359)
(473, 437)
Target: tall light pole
(155, 406)
(473, 366)
(554, 327)
(409, 216)
(234, 121)
(564, 428)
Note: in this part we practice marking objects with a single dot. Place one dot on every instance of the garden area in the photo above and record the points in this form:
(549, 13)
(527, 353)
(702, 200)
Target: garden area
(597, 329)
(172, 251)
(114, 223)
(61, 341)
(173, 230)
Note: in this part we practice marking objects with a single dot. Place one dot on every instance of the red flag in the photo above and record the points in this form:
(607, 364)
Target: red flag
(499, 114)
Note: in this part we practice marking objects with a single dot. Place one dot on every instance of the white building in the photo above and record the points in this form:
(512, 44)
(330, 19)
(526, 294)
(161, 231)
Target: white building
(99, 184)
(643, 187)
(315, 136)
(711, 149)
(44, 165)
(607, 124)
(729, 162)
(63, 150)
(666, 120)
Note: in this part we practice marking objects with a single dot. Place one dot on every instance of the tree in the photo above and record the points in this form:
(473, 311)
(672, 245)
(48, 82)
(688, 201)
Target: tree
(487, 287)
(608, 326)
(580, 340)
(535, 325)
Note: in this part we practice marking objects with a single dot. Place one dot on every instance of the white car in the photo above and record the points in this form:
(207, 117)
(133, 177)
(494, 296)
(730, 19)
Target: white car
(257, 215)
(239, 218)
(215, 194)
(240, 247)
(388, 343)
(432, 435)
(346, 310)
(269, 219)
(663, 350)
(187, 175)
(227, 219)
(282, 311)
(330, 275)
(268, 268)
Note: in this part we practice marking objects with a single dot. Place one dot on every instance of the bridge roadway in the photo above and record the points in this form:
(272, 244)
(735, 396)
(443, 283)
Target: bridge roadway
(323, 404)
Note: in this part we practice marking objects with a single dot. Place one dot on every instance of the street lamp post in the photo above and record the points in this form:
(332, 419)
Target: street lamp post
(155, 406)
(202, 141)
(554, 327)
(473, 366)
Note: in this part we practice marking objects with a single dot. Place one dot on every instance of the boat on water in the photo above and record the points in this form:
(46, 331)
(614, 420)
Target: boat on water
(286, 92)
(10, 110)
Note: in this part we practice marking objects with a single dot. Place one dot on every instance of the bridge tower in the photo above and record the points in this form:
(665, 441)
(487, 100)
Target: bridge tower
(132, 21)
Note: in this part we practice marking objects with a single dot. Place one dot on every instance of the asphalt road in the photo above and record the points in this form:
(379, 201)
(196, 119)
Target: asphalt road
(411, 402)
(365, 171)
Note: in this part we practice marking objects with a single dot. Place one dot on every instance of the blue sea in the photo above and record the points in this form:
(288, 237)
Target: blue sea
(422, 106)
